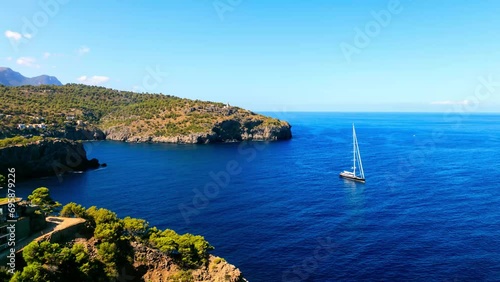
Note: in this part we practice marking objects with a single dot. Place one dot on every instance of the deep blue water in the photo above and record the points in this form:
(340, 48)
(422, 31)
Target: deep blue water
(429, 211)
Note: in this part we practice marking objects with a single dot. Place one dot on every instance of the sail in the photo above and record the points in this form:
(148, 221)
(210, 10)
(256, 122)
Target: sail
(357, 154)
(357, 173)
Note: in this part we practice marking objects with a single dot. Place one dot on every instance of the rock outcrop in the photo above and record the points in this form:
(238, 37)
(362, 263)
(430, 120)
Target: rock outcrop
(153, 265)
(77, 133)
(48, 157)
(226, 131)
(218, 270)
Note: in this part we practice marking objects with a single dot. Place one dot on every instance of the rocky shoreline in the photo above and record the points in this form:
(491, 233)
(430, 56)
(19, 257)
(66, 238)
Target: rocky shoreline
(65, 153)
(48, 157)
(154, 265)
(221, 133)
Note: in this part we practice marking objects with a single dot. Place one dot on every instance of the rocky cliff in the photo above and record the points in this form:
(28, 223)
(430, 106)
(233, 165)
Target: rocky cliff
(153, 265)
(45, 158)
(230, 130)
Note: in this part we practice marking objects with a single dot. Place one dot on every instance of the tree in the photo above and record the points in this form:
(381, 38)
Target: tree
(101, 215)
(32, 273)
(166, 244)
(67, 264)
(193, 249)
(135, 227)
(43, 253)
(108, 255)
(41, 197)
(108, 231)
(80, 252)
(73, 210)
(107, 226)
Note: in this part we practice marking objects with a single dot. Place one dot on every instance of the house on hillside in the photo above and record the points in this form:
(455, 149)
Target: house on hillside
(40, 125)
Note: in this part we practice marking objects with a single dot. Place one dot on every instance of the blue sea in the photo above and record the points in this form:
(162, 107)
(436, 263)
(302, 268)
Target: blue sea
(429, 211)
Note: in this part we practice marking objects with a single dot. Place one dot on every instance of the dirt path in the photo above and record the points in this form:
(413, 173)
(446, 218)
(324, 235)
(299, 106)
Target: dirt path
(63, 222)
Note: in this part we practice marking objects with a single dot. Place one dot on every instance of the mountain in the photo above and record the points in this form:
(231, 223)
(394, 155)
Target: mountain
(81, 112)
(8, 77)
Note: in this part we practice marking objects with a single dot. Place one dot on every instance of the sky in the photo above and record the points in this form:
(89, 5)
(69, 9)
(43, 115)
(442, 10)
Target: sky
(317, 55)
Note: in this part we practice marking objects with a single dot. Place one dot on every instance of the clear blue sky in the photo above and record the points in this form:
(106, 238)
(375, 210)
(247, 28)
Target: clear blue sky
(266, 55)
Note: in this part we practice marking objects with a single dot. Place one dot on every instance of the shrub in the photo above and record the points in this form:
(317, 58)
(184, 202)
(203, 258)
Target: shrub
(43, 253)
(18, 140)
(192, 249)
(41, 197)
(182, 276)
(34, 272)
(108, 254)
(109, 231)
(73, 210)
(135, 227)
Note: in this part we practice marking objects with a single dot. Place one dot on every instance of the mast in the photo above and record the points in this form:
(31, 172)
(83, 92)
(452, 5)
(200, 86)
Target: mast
(354, 150)
(358, 155)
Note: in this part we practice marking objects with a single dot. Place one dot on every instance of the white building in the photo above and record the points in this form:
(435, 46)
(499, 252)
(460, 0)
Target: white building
(41, 125)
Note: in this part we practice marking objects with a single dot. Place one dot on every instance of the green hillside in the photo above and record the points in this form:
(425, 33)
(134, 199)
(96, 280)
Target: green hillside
(49, 109)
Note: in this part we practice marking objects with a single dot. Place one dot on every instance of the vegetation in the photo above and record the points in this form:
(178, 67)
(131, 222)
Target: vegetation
(18, 140)
(73, 210)
(75, 105)
(182, 276)
(110, 249)
(193, 249)
(41, 197)
(52, 262)
(135, 228)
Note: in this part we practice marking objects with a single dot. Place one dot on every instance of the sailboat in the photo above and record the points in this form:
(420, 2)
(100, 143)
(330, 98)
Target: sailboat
(355, 175)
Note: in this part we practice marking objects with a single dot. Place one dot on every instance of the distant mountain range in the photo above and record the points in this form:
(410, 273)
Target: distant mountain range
(8, 77)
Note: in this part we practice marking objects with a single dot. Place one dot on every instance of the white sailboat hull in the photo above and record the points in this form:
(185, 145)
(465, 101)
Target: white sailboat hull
(356, 158)
(349, 175)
